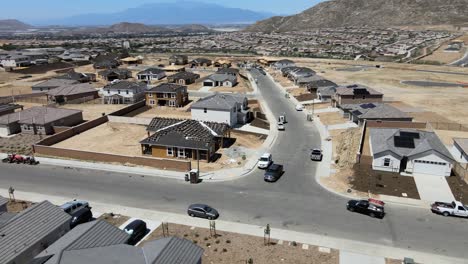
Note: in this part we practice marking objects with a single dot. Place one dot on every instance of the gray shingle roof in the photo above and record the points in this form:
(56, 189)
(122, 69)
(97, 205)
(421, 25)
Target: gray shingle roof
(38, 115)
(184, 75)
(125, 85)
(356, 90)
(171, 250)
(54, 83)
(28, 228)
(151, 71)
(462, 143)
(3, 201)
(227, 71)
(222, 77)
(223, 102)
(383, 140)
(72, 89)
(375, 111)
(184, 133)
(167, 88)
(88, 235)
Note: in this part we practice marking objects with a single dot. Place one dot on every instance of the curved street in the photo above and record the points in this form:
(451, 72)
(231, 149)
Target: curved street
(296, 202)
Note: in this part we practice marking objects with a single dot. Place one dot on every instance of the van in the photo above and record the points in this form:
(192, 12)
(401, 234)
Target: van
(265, 161)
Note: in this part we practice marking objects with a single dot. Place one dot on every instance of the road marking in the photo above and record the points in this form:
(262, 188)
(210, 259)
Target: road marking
(324, 249)
(305, 246)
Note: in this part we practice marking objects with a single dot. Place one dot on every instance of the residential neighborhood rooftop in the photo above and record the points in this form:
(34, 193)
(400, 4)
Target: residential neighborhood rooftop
(462, 143)
(72, 89)
(167, 88)
(38, 115)
(55, 83)
(124, 85)
(375, 110)
(221, 77)
(356, 90)
(219, 101)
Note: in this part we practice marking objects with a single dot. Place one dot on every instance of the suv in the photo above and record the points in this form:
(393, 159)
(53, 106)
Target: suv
(81, 216)
(72, 206)
(316, 155)
(273, 173)
(265, 161)
(281, 126)
(136, 230)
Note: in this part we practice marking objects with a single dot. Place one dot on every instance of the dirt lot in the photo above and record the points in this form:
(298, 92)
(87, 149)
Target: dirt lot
(19, 144)
(241, 87)
(162, 111)
(229, 248)
(283, 81)
(251, 141)
(113, 138)
(114, 219)
(447, 136)
(459, 188)
(18, 206)
(332, 118)
(345, 146)
(93, 111)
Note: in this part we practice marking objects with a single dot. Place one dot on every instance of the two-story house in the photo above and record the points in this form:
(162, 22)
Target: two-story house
(14, 61)
(222, 108)
(151, 74)
(167, 94)
(123, 92)
(356, 94)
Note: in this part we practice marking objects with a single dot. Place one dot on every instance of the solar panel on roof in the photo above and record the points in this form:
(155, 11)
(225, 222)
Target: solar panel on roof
(368, 106)
(409, 134)
(361, 91)
(404, 142)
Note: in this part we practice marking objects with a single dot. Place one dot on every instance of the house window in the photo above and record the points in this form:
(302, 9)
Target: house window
(151, 102)
(118, 91)
(108, 91)
(126, 92)
(173, 95)
(150, 95)
(166, 95)
(170, 152)
(386, 162)
(172, 103)
(205, 110)
(181, 153)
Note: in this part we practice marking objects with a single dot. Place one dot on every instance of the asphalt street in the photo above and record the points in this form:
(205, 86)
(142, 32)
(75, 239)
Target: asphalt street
(296, 202)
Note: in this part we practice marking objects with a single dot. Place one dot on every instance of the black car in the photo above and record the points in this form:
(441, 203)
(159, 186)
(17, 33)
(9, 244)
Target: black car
(203, 211)
(273, 173)
(81, 216)
(368, 207)
(137, 230)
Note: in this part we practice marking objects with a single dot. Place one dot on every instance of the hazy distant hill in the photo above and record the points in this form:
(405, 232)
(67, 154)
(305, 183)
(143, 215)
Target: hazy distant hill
(167, 14)
(379, 13)
(12, 24)
(138, 28)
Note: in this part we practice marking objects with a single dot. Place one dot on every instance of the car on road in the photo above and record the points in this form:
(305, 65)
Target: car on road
(273, 173)
(299, 107)
(72, 206)
(316, 154)
(265, 161)
(136, 229)
(81, 216)
(202, 211)
(454, 208)
(281, 126)
(371, 207)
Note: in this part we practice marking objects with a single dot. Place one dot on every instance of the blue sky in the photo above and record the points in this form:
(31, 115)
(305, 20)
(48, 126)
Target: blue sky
(31, 10)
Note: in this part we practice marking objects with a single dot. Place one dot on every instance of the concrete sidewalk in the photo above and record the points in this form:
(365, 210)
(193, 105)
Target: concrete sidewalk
(370, 249)
(354, 258)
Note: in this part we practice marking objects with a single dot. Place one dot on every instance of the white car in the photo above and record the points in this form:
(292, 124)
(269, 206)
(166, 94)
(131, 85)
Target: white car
(281, 126)
(265, 161)
(299, 107)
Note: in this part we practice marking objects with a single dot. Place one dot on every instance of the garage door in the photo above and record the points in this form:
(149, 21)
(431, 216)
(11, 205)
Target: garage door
(429, 167)
(207, 83)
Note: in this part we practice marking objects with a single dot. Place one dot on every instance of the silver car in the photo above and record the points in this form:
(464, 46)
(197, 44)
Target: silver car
(202, 211)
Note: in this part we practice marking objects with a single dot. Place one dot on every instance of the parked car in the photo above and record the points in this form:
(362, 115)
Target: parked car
(454, 208)
(265, 161)
(371, 207)
(273, 173)
(316, 155)
(70, 207)
(137, 229)
(299, 107)
(81, 216)
(202, 211)
(282, 119)
(281, 126)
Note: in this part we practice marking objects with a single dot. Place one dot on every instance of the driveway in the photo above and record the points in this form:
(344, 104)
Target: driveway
(433, 188)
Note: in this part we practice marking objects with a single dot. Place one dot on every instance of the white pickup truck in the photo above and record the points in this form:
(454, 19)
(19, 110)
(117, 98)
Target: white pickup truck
(454, 208)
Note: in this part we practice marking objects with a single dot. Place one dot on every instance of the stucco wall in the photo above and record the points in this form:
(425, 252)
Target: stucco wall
(214, 116)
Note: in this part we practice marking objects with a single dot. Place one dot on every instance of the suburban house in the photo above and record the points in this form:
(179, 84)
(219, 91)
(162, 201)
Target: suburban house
(184, 139)
(93, 234)
(9, 108)
(178, 59)
(286, 70)
(15, 61)
(283, 63)
(174, 68)
(410, 151)
(225, 80)
(79, 77)
(314, 85)
(304, 81)
(168, 250)
(201, 62)
(115, 74)
(325, 94)
(123, 92)
(222, 108)
(300, 72)
(222, 63)
(151, 74)
(355, 94)
(460, 149)
(132, 60)
(52, 84)
(183, 78)
(39, 120)
(374, 111)
(31, 231)
(228, 71)
(67, 93)
(109, 61)
(167, 94)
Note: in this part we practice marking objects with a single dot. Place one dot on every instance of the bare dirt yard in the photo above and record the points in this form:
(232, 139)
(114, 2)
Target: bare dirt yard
(19, 144)
(114, 219)
(162, 111)
(17, 206)
(459, 188)
(332, 118)
(93, 111)
(283, 81)
(112, 138)
(447, 136)
(229, 248)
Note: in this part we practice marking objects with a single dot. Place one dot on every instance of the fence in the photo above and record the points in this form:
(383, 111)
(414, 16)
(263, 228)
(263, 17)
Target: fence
(461, 170)
(24, 98)
(130, 120)
(129, 109)
(395, 124)
(448, 126)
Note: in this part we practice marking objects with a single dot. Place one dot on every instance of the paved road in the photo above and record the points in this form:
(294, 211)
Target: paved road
(296, 202)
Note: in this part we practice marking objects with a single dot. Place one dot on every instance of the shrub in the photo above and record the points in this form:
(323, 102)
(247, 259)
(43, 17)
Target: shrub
(217, 241)
(224, 250)
(195, 242)
(228, 241)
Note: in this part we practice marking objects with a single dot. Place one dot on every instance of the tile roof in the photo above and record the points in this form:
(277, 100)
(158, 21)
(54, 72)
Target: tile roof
(219, 102)
(375, 111)
(462, 143)
(184, 133)
(88, 235)
(28, 228)
(167, 88)
(38, 115)
(72, 89)
(418, 141)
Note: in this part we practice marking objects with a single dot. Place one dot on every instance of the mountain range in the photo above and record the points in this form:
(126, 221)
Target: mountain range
(13, 24)
(182, 12)
(375, 13)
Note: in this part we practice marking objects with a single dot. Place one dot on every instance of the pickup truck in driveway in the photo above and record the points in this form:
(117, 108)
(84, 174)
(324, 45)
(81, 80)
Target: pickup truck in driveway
(454, 208)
